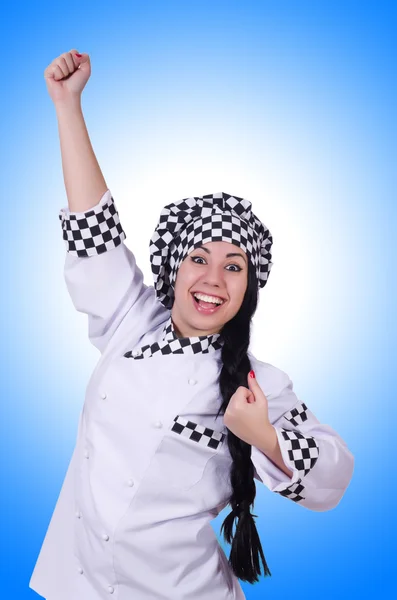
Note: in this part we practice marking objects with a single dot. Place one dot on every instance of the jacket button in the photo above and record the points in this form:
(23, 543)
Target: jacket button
(78, 514)
(80, 570)
(110, 589)
(103, 395)
(192, 381)
(157, 424)
(130, 482)
(86, 453)
(105, 537)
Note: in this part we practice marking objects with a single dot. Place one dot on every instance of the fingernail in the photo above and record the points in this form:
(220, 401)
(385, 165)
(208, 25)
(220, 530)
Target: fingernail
(252, 373)
(79, 55)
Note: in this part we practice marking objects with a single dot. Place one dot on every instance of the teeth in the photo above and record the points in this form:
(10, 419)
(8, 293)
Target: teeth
(208, 298)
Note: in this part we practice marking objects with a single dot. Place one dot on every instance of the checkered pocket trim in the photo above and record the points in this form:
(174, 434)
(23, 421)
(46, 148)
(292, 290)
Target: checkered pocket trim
(94, 231)
(198, 433)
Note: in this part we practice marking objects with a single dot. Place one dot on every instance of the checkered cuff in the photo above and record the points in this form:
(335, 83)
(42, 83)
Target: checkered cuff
(94, 231)
(300, 454)
(302, 451)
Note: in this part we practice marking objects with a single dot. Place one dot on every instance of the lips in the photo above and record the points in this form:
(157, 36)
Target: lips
(206, 311)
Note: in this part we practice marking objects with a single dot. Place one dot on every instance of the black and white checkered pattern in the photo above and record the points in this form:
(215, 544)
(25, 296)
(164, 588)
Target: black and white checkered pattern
(171, 344)
(94, 231)
(181, 228)
(294, 491)
(197, 220)
(297, 415)
(303, 451)
(198, 433)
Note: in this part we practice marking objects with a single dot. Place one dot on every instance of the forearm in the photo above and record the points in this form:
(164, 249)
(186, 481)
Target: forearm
(84, 181)
(268, 444)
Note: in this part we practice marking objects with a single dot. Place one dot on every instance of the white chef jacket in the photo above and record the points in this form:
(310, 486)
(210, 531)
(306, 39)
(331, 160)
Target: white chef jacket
(150, 468)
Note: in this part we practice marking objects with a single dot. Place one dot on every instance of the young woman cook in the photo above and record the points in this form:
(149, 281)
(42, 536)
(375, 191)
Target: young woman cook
(175, 425)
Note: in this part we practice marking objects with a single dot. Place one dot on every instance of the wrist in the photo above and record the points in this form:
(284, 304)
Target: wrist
(267, 438)
(71, 105)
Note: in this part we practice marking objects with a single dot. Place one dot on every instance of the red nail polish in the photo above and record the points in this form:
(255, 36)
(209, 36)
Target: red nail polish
(252, 373)
(79, 55)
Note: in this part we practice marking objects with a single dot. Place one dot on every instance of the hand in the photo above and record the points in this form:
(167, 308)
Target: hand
(67, 75)
(247, 414)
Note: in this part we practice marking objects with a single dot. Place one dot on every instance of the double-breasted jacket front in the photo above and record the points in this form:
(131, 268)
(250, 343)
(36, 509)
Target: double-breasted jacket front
(150, 468)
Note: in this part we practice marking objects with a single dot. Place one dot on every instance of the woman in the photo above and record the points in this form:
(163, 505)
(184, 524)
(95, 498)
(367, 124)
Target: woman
(175, 424)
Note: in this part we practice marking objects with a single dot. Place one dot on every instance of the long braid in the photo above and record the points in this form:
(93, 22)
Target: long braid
(246, 546)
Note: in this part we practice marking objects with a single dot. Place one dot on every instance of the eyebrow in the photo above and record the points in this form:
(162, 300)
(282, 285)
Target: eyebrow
(227, 255)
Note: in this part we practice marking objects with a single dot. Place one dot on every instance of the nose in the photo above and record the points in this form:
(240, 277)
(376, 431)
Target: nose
(214, 280)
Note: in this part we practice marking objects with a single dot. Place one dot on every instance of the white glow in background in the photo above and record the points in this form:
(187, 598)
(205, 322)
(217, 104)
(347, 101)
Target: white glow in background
(287, 106)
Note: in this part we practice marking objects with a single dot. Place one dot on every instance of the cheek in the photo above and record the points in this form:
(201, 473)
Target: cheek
(235, 300)
(237, 291)
(184, 281)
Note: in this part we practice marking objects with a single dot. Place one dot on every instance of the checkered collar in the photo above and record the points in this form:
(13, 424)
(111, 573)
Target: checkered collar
(171, 344)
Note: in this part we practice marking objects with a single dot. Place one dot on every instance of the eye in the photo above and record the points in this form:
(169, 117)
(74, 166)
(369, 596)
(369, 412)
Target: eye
(230, 265)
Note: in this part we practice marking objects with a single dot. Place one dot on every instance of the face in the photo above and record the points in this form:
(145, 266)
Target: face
(209, 270)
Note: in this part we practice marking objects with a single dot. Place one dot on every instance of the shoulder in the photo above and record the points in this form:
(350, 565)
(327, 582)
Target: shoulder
(272, 379)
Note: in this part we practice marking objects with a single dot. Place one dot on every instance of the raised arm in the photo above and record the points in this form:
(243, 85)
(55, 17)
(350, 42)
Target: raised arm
(101, 274)
(84, 181)
(66, 77)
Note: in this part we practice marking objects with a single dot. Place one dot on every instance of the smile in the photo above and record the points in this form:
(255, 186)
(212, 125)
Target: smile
(206, 311)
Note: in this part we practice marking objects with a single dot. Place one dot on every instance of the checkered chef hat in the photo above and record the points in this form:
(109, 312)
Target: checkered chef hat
(193, 221)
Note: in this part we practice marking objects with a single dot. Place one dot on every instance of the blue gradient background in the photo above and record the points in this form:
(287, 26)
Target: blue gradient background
(289, 104)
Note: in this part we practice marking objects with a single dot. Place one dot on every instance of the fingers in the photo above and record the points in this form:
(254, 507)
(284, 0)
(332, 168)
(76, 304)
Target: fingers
(71, 60)
(56, 72)
(62, 66)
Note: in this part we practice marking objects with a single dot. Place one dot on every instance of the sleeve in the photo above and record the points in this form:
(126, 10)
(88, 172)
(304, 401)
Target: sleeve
(320, 461)
(101, 274)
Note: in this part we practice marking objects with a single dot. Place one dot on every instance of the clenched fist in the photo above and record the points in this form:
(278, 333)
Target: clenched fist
(67, 75)
(247, 414)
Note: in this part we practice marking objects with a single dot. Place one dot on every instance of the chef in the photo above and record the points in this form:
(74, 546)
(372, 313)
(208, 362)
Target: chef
(179, 418)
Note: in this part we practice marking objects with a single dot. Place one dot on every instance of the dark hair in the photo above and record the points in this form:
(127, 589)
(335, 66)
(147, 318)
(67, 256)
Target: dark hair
(246, 545)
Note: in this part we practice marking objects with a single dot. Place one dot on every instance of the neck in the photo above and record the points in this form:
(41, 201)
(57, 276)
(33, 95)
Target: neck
(184, 332)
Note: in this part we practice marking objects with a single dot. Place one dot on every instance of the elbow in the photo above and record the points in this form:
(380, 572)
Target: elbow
(324, 499)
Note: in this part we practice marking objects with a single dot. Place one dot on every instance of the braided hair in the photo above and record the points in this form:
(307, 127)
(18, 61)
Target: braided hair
(246, 545)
